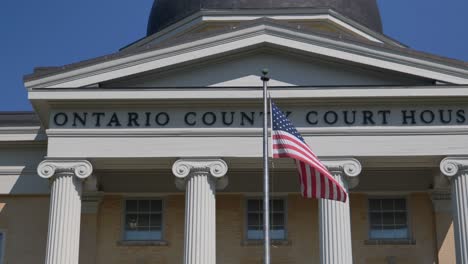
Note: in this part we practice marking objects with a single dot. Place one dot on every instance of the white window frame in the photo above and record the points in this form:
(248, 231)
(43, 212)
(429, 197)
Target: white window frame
(246, 215)
(124, 215)
(369, 226)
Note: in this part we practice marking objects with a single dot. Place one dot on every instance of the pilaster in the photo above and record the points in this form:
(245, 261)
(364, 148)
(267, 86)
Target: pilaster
(63, 238)
(334, 216)
(200, 179)
(91, 201)
(456, 169)
(442, 204)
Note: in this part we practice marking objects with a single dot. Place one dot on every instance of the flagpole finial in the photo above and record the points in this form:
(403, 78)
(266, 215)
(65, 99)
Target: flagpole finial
(265, 77)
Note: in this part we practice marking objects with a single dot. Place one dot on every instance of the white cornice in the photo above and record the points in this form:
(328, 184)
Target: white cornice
(16, 170)
(292, 93)
(248, 38)
(255, 132)
(22, 134)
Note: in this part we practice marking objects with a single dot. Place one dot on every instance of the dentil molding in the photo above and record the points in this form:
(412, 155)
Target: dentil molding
(348, 167)
(80, 168)
(216, 168)
(453, 166)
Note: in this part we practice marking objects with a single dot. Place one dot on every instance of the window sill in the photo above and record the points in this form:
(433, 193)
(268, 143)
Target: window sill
(389, 242)
(143, 243)
(261, 242)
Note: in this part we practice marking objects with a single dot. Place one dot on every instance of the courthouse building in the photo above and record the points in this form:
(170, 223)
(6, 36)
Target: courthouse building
(153, 154)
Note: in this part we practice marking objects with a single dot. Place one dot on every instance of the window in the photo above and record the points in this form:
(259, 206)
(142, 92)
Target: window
(388, 219)
(2, 246)
(255, 219)
(143, 220)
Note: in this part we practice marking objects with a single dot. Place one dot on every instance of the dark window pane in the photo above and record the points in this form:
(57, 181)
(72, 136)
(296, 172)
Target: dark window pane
(131, 205)
(155, 220)
(156, 206)
(277, 205)
(131, 222)
(254, 205)
(400, 204)
(254, 219)
(376, 218)
(374, 204)
(277, 219)
(387, 204)
(277, 227)
(400, 218)
(388, 218)
(143, 220)
(143, 206)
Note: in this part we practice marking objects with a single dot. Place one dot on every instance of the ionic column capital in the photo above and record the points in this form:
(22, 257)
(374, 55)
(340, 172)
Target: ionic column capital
(454, 166)
(82, 169)
(216, 168)
(348, 167)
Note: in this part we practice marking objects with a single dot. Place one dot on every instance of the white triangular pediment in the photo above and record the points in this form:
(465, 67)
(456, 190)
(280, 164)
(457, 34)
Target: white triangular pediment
(294, 58)
(286, 69)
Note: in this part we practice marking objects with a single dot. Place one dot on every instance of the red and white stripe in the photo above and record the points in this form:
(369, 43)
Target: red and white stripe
(316, 181)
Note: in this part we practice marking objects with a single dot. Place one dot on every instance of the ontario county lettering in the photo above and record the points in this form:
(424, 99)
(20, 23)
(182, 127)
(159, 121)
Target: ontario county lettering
(302, 118)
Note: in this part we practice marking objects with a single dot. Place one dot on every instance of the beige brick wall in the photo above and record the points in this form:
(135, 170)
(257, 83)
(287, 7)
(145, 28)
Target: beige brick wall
(421, 221)
(25, 221)
(302, 234)
(302, 220)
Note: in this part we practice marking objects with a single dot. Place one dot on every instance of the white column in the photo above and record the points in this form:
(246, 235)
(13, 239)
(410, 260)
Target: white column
(63, 238)
(200, 179)
(456, 168)
(334, 217)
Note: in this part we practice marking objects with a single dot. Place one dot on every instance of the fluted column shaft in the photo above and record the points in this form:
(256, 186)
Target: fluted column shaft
(457, 170)
(334, 217)
(63, 238)
(460, 216)
(200, 178)
(200, 220)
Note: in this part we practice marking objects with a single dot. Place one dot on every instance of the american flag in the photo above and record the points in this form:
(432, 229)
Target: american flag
(316, 181)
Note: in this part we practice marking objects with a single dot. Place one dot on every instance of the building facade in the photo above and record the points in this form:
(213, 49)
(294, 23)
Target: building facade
(153, 154)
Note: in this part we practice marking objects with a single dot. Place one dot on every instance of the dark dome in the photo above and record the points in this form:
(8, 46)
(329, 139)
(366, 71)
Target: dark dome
(166, 12)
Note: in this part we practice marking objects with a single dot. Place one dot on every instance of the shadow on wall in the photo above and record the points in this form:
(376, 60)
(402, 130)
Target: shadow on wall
(24, 221)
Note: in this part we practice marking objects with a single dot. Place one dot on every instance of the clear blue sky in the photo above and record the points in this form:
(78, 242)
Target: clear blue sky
(58, 32)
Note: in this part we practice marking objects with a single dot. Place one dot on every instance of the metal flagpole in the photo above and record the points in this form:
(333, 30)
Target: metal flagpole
(266, 180)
